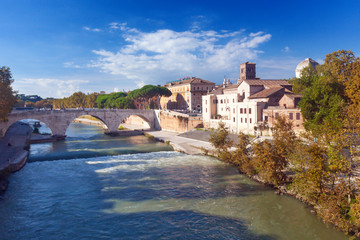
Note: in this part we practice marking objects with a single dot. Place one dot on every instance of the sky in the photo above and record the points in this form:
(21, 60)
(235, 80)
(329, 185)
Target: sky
(55, 48)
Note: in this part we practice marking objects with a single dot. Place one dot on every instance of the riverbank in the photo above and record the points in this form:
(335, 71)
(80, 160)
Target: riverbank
(14, 148)
(186, 145)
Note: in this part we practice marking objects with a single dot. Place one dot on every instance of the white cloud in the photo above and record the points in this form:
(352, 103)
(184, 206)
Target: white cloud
(164, 55)
(71, 65)
(286, 49)
(92, 29)
(49, 87)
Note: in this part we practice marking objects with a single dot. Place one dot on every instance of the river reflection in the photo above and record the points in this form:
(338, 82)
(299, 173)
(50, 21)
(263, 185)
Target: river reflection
(155, 195)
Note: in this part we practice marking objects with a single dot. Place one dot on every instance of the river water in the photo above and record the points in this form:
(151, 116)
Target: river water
(93, 186)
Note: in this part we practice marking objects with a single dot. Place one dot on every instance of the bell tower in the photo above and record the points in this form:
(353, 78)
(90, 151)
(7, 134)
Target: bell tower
(247, 71)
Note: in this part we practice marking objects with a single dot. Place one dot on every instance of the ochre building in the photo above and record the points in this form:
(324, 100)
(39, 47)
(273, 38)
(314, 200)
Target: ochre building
(186, 94)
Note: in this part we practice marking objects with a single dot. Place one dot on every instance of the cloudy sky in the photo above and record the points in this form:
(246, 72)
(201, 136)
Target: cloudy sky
(55, 48)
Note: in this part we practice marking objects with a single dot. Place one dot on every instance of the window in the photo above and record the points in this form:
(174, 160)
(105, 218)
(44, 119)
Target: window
(205, 101)
(245, 110)
(297, 116)
(250, 120)
(217, 101)
(233, 110)
(233, 100)
(241, 110)
(205, 109)
(228, 101)
(233, 119)
(291, 116)
(245, 120)
(241, 120)
(266, 118)
(249, 110)
(221, 101)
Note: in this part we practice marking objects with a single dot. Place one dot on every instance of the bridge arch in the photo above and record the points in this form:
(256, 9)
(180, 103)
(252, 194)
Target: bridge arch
(8, 124)
(136, 121)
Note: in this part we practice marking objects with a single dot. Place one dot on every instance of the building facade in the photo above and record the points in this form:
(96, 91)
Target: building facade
(244, 106)
(186, 94)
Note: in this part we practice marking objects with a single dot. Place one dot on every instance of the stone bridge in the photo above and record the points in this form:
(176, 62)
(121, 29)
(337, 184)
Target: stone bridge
(59, 120)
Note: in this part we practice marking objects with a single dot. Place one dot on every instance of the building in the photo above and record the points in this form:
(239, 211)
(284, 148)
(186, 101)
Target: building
(241, 106)
(288, 108)
(153, 103)
(306, 63)
(186, 94)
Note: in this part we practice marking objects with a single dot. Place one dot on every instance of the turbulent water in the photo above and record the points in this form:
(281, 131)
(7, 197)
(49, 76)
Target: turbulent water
(90, 187)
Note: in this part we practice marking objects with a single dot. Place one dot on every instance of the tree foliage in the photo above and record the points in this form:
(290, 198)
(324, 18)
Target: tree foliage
(221, 141)
(7, 95)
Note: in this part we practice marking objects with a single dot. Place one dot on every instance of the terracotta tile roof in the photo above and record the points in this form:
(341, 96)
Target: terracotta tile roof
(266, 92)
(192, 80)
(267, 82)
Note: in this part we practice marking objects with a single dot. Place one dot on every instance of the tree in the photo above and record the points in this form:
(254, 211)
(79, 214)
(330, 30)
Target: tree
(310, 172)
(7, 95)
(101, 100)
(147, 92)
(221, 141)
(241, 156)
(77, 100)
(90, 100)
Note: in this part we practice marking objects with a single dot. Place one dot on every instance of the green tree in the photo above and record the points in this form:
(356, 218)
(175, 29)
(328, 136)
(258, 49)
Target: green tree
(101, 100)
(221, 141)
(241, 156)
(7, 95)
(311, 172)
(147, 92)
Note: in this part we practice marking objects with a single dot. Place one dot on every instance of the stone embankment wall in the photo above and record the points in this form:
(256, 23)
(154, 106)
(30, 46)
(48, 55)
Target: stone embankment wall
(136, 120)
(178, 122)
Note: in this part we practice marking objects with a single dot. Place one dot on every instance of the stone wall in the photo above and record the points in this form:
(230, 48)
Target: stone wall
(177, 122)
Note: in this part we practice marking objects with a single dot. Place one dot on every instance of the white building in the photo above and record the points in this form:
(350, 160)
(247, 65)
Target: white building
(240, 106)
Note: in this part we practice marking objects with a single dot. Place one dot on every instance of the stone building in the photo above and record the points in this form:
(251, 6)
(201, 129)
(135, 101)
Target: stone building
(186, 94)
(288, 108)
(241, 106)
(154, 103)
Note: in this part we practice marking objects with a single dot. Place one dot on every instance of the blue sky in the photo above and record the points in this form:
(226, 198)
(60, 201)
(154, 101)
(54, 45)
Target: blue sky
(55, 48)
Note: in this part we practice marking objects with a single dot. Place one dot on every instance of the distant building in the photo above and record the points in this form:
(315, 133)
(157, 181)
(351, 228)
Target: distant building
(242, 106)
(154, 103)
(186, 94)
(306, 63)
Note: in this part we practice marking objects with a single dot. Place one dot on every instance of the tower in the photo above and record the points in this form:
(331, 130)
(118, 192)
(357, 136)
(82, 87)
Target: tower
(247, 71)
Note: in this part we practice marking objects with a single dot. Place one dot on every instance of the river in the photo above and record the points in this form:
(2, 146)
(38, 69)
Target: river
(94, 186)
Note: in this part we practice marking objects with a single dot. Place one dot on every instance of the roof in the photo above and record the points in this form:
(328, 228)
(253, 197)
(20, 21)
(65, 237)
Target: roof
(192, 80)
(267, 82)
(292, 95)
(266, 92)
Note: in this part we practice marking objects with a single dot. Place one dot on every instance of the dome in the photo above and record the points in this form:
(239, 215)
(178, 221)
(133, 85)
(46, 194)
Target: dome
(303, 64)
